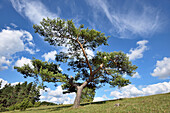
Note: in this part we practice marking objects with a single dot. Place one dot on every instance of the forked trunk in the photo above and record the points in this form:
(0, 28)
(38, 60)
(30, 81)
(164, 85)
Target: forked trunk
(78, 97)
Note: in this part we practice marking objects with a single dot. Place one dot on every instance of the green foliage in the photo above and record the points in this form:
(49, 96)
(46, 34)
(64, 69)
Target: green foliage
(11, 108)
(47, 103)
(2, 108)
(30, 104)
(11, 97)
(48, 72)
(37, 104)
(24, 104)
(87, 95)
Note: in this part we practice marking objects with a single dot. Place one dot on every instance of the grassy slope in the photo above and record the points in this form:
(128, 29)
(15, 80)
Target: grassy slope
(155, 104)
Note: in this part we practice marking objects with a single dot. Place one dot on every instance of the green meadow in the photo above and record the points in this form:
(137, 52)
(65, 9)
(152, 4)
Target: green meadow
(149, 104)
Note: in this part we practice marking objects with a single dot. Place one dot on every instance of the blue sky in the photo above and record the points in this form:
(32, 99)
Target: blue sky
(138, 28)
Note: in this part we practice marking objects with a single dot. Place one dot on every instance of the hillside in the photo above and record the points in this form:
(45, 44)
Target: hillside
(155, 103)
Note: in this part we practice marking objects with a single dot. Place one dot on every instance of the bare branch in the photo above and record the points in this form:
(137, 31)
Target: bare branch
(83, 43)
(95, 71)
(85, 57)
(113, 61)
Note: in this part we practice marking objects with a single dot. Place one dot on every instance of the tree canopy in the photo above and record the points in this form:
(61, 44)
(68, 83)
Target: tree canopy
(91, 72)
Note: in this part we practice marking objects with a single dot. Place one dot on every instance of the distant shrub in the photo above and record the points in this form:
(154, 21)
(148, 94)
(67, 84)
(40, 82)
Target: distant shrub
(24, 104)
(17, 106)
(11, 108)
(2, 108)
(37, 104)
(47, 103)
(30, 104)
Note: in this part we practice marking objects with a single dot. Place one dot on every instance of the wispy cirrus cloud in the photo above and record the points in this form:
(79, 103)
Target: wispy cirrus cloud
(128, 19)
(35, 11)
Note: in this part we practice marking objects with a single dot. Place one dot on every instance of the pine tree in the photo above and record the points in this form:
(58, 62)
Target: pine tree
(103, 68)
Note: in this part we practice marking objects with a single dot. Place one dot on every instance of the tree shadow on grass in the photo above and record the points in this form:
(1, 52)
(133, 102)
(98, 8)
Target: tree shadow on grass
(59, 107)
(51, 108)
(100, 102)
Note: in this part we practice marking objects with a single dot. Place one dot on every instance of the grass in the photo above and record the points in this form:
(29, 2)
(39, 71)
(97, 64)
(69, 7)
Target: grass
(148, 104)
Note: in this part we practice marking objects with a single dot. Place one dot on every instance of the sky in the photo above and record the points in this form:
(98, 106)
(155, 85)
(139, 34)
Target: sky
(138, 28)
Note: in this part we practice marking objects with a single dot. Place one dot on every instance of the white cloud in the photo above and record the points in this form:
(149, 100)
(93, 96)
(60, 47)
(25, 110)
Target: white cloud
(104, 97)
(4, 82)
(90, 53)
(57, 96)
(157, 88)
(14, 25)
(127, 19)
(4, 63)
(162, 69)
(138, 52)
(50, 55)
(132, 91)
(34, 10)
(11, 42)
(136, 75)
(22, 61)
(31, 51)
(15, 83)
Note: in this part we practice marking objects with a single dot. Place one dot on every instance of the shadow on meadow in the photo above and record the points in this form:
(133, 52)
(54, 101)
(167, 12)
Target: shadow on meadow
(51, 108)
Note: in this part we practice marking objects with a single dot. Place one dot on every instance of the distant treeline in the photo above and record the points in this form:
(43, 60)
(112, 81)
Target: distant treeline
(19, 96)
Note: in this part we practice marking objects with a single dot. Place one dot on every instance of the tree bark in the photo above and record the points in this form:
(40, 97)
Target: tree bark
(78, 97)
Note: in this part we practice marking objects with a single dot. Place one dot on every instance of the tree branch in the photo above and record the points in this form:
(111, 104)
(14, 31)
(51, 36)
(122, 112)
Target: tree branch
(113, 61)
(83, 43)
(85, 57)
(95, 71)
(71, 82)
(98, 76)
(84, 84)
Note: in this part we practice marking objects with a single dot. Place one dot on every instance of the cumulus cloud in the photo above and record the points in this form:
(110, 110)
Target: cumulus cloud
(128, 19)
(104, 97)
(50, 55)
(13, 41)
(35, 11)
(90, 53)
(22, 61)
(162, 69)
(4, 82)
(132, 91)
(136, 75)
(4, 63)
(138, 52)
(57, 96)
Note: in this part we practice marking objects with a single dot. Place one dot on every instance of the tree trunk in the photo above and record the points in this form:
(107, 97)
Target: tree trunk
(78, 97)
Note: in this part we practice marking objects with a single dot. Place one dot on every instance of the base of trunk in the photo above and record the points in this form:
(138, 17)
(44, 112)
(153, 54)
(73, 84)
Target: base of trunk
(78, 97)
(76, 106)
